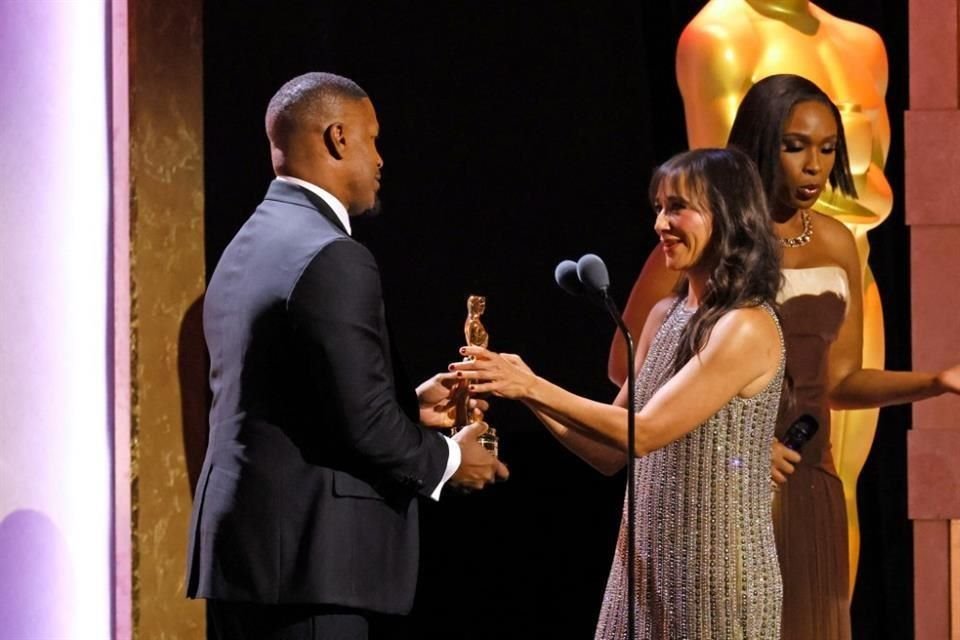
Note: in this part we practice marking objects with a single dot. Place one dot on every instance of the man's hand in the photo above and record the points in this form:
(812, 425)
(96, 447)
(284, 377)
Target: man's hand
(782, 462)
(478, 467)
(438, 396)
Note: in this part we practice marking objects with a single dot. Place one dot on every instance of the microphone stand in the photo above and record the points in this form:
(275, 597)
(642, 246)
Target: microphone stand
(631, 455)
(589, 276)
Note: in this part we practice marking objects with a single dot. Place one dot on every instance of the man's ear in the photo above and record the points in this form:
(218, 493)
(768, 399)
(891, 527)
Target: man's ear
(335, 140)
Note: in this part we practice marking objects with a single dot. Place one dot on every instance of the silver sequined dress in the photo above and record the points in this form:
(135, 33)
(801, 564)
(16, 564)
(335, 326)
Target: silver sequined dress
(706, 560)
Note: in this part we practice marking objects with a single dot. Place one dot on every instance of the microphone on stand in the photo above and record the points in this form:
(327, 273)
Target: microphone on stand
(589, 277)
(566, 276)
(593, 275)
(592, 272)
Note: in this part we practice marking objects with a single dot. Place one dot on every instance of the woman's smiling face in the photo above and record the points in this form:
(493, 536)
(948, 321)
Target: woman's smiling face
(684, 230)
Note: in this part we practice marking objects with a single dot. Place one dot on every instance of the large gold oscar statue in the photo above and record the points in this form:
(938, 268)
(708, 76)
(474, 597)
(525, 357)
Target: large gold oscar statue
(732, 44)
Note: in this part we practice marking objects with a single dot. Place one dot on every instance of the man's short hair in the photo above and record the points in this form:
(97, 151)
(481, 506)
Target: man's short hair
(309, 97)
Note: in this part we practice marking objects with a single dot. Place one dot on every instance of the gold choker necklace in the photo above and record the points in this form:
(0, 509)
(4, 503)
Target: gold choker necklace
(805, 236)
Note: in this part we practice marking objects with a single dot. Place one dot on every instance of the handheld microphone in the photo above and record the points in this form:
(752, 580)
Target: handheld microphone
(800, 432)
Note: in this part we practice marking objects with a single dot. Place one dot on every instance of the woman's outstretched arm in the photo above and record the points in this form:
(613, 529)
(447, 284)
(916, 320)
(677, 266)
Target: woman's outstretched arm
(740, 357)
(605, 458)
(851, 386)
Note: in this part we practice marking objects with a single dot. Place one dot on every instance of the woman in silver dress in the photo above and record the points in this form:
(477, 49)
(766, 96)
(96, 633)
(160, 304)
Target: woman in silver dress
(795, 134)
(711, 367)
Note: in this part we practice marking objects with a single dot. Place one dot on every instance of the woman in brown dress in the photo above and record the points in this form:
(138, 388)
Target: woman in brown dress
(794, 133)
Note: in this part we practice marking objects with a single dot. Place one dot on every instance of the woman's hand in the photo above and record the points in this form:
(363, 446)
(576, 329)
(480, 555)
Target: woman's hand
(502, 374)
(948, 380)
(783, 462)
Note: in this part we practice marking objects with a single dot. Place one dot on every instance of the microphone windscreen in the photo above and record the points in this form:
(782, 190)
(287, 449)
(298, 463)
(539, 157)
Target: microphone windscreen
(566, 276)
(800, 432)
(593, 273)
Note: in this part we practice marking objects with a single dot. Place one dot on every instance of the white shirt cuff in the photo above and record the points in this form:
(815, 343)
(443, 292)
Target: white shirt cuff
(453, 463)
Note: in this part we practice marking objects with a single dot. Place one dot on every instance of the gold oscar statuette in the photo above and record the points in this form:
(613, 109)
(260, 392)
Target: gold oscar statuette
(476, 336)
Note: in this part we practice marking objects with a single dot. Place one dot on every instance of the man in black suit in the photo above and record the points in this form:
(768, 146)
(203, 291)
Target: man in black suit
(305, 519)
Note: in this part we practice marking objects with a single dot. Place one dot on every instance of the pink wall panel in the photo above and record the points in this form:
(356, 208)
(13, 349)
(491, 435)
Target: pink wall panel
(933, 54)
(932, 156)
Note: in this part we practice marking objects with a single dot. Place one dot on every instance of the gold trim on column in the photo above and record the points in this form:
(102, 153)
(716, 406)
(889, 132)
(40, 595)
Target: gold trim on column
(166, 282)
(134, 434)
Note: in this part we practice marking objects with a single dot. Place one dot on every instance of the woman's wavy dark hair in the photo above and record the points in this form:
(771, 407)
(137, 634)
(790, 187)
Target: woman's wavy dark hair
(758, 129)
(742, 256)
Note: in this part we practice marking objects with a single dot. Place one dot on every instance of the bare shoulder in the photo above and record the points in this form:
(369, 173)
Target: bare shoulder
(752, 322)
(836, 239)
(747, 331)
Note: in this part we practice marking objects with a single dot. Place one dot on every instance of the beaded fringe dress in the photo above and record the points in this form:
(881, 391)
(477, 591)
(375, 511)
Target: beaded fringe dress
(705, 553)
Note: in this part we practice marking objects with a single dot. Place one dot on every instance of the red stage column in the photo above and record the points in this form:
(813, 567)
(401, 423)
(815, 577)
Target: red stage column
(932, 150)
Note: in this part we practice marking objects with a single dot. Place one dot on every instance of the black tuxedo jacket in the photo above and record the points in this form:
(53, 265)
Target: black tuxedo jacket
(308, 489)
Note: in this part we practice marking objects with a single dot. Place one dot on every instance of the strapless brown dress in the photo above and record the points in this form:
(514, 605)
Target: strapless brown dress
(809, 515)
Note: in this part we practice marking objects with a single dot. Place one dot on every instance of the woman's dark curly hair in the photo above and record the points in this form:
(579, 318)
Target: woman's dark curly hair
(742, 256)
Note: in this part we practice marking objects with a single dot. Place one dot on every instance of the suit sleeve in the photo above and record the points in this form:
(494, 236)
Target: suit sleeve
(337, 310)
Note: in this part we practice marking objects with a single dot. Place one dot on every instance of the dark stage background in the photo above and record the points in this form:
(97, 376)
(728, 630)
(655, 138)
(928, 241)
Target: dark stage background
(515, 135)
